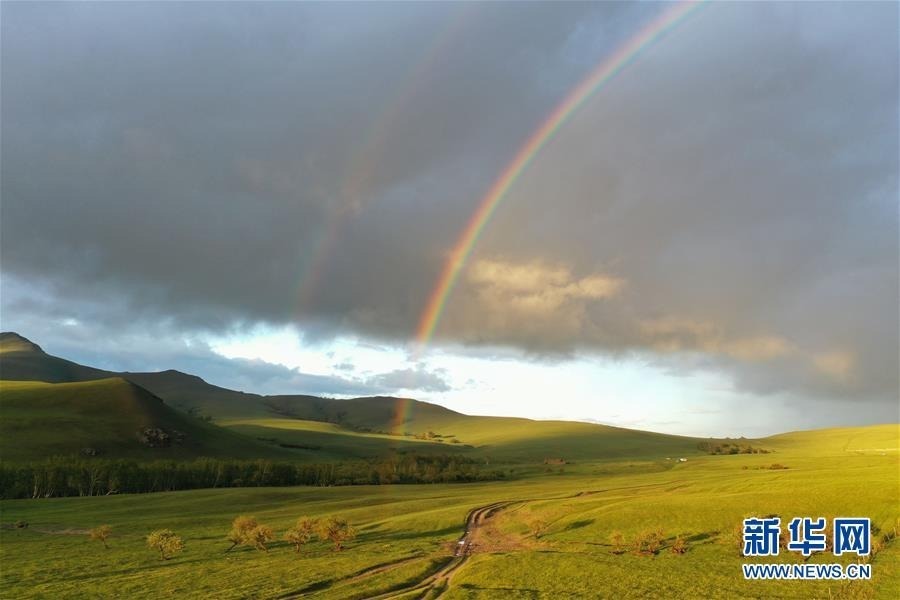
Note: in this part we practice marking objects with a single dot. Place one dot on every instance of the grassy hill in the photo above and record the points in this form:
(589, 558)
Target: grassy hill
(872, 439)
(357, 428)
(23, 360)
(108, 417)
(500, 438)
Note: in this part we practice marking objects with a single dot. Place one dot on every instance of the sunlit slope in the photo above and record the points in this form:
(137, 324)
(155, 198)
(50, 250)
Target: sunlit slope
(502, 438)
(317, 440)
(39, 420)
(872, 439)
(376, 413)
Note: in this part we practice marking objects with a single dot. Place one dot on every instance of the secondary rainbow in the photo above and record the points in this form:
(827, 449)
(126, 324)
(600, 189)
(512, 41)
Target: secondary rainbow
(361, 167)
(602, 74)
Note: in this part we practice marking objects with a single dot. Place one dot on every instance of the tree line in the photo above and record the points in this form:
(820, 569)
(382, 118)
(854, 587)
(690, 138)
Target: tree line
(97, 476)
(247, 531)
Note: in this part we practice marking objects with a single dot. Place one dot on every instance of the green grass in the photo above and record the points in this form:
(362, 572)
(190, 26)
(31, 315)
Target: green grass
(406, 530)
(39, 420)
(328, 441)
(500, 439)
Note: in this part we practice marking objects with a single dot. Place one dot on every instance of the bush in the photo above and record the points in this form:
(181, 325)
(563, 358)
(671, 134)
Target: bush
(301, 533)
(648, 542)
(618, 542)
(259, 536)
(165, 542)
(336, 530)
(240, 528)
(246, 531)
(538, 528)
(101, 534)
(655, 540)
(680, 546)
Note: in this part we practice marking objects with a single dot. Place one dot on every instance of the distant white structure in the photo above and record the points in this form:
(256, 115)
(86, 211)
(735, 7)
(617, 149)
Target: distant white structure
(682, 460)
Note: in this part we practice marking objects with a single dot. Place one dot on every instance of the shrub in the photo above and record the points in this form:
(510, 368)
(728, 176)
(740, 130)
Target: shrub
(538, 528)
(618, 542)
(654, 540)
(165, 542)
(101, 534)
(259, 536)
(246, 531)
(648, 542)
(240, 530)
(680, 546)
(301, 533)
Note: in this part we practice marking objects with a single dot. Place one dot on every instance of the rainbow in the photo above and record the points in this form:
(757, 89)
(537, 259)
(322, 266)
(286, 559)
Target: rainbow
(363, 162)
(602, 74)
(402, 411)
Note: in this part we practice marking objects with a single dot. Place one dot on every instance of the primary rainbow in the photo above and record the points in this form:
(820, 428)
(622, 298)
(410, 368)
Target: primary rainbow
(608, 69)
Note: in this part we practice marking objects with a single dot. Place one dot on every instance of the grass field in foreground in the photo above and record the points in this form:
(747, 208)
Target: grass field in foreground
(404, 531)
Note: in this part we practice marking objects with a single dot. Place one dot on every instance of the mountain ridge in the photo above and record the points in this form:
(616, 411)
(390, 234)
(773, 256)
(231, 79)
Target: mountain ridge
(26, 361)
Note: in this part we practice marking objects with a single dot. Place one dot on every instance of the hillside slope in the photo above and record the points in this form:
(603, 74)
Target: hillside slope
(22, 360)
(360, 426)
(113, 418)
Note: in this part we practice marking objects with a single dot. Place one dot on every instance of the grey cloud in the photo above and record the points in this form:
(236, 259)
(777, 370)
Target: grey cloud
(741, 177)
(418, 379)
(313, 163)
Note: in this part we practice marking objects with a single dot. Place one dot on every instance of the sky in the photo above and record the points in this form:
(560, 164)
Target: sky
(266, 195)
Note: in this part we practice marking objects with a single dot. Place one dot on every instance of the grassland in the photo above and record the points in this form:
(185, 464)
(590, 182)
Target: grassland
(407, 532)
(39, 420)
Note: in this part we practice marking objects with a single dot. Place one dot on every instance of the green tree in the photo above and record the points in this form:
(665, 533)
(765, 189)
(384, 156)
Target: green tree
(165, 542)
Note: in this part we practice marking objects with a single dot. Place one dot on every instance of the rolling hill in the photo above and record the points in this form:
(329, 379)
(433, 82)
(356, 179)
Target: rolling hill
(324, 429)
(113, 418)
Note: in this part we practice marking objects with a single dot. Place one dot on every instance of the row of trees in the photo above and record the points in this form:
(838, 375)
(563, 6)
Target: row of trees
(247, 531)
(730, 448)
(97, 476)
(646, 543)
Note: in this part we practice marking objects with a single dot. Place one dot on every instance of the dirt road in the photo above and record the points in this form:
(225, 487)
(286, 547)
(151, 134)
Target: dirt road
(433, 585)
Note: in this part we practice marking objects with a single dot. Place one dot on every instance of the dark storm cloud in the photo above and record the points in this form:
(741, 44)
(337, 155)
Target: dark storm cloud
(729, 201)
